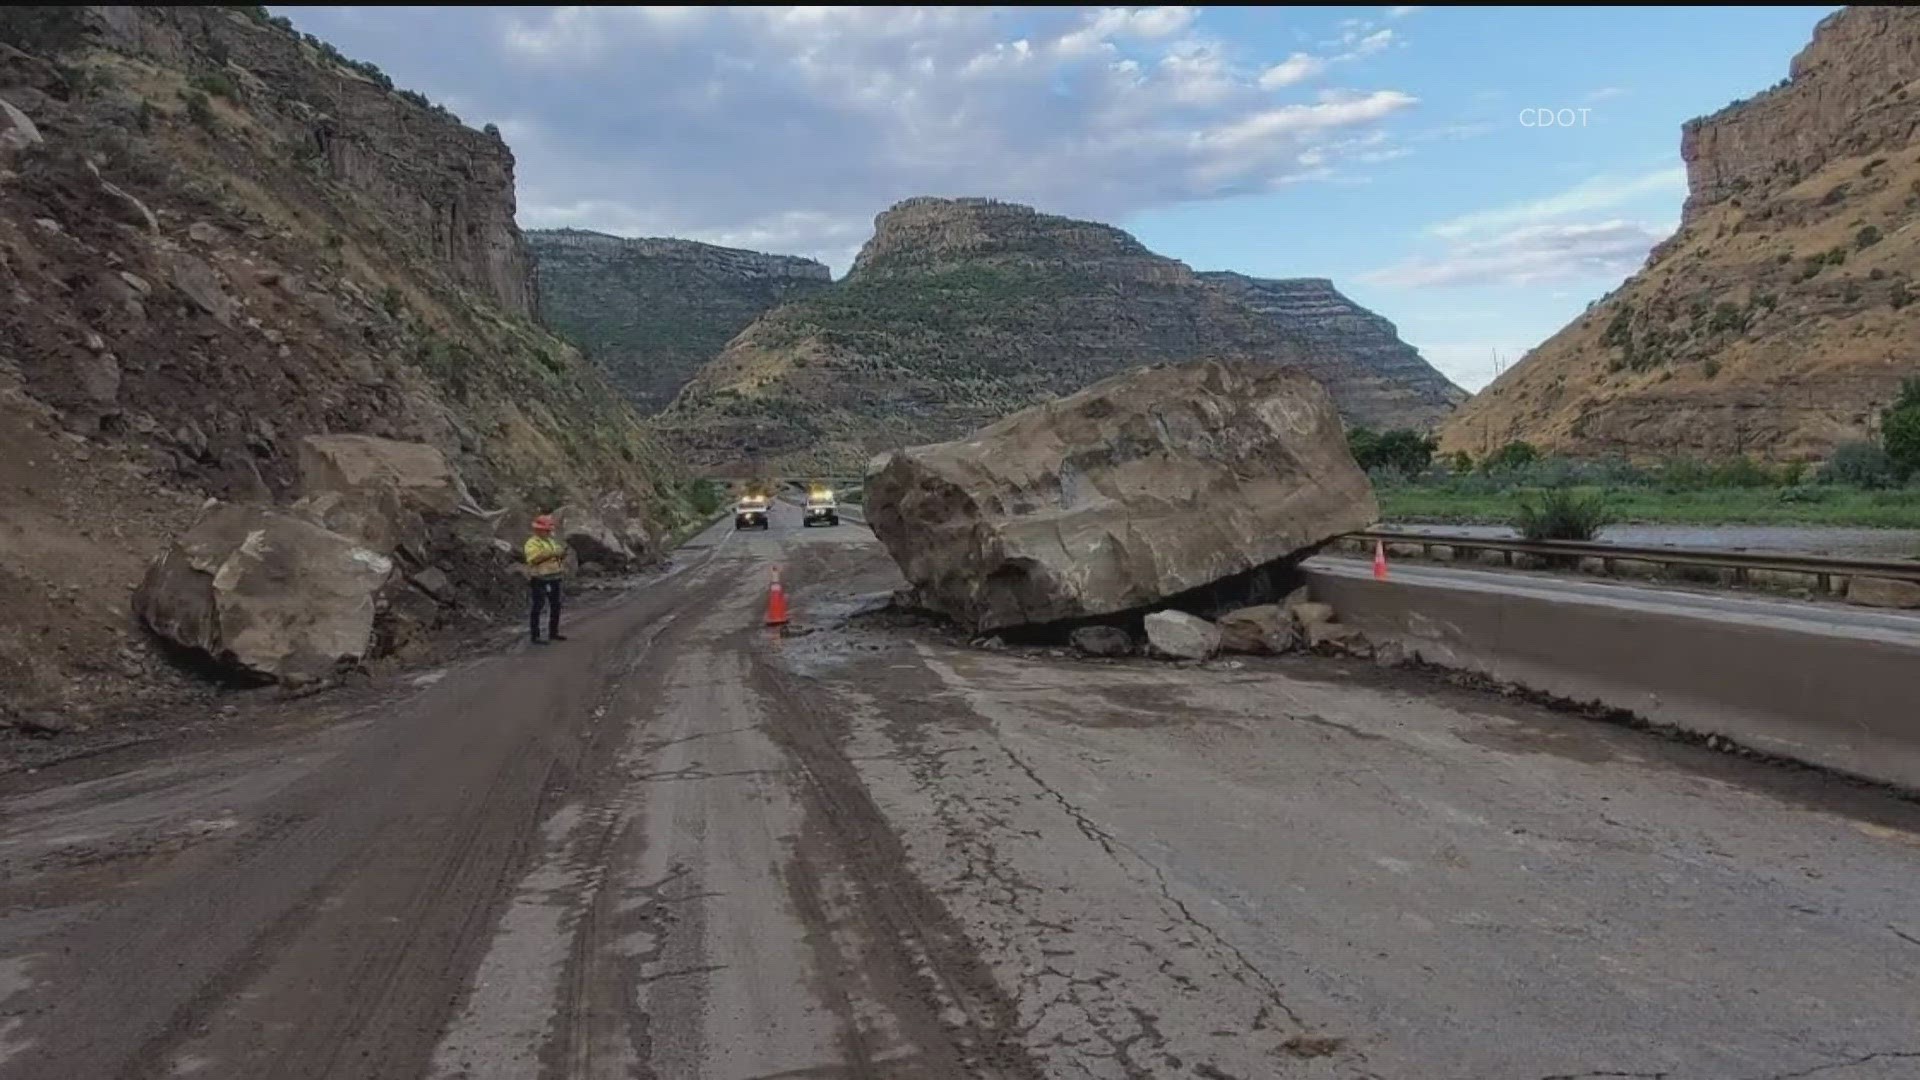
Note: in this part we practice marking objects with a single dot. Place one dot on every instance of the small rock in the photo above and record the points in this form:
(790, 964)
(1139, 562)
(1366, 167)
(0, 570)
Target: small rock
(1179, 636)
(1309, 614)
(1266, 629)
(1102, 641)
(206, 232)
(16, 130)
(434, 582)
(138, 283)
(48, 224)
(43, 725)
(1334, 639)
(1393, 654)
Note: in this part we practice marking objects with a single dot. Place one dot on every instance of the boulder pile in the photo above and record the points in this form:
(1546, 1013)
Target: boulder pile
(384, 544)
(1296, 624)
(1143, 487)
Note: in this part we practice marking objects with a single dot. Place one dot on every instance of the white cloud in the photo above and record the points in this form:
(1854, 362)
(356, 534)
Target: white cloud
(1600, 193)
(1604, 93)
(1373, 43)
(1297, 68)
(1402, 12)
(1530, 255)
(791, 127)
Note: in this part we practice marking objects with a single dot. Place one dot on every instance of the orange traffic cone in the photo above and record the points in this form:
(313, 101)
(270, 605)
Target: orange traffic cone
(776, 602)
(1379, 561)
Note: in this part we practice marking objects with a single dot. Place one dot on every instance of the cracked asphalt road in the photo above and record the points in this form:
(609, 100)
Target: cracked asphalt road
(678, 846)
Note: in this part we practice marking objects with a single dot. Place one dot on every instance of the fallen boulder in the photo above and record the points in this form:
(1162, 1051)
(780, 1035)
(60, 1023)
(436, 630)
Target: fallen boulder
(1132, 491)
(593, 540)
(1265, 629)
(1102, 641)
(1883, 592)
(265, 594)
(1177, 635)
(418, 475)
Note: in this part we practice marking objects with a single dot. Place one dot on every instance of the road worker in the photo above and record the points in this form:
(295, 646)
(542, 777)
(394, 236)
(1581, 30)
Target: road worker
(546, 564)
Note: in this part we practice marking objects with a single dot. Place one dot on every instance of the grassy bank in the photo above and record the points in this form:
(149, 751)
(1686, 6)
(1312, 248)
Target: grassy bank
(1830, 505)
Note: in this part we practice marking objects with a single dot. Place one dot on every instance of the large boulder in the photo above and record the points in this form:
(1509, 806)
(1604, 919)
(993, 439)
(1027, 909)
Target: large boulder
(418, 475)
(265, 594)
(402, 498)
(593, 539)
(1132, 491)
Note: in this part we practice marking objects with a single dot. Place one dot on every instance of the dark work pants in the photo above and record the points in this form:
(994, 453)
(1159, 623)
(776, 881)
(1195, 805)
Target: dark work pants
(545, 592)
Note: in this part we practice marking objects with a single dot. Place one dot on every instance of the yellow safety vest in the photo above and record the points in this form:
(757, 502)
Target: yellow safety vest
(546, 557)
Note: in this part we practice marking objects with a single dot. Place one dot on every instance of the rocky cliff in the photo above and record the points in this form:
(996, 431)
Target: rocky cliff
(1777, 320)
(961, 311)
(651, 311)
(1384, 377)
(218, 237)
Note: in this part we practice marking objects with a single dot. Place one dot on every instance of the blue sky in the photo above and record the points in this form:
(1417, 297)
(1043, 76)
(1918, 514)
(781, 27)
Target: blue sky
(1385, 148)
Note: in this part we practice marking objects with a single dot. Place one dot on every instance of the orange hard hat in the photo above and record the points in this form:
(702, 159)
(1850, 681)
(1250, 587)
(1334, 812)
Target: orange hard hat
(543, 523)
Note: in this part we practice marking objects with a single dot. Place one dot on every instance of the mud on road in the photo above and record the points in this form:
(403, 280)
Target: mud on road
(681, 846)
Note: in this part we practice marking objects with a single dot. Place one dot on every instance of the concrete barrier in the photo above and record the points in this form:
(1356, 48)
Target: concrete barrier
(1805, 687)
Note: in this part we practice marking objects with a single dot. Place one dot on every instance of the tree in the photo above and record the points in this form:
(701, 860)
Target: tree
(1401, 450)
(1900, 431)
(1511, 457)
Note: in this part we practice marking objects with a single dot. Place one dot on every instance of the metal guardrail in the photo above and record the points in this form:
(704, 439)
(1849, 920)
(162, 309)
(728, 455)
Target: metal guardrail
(1823, 567)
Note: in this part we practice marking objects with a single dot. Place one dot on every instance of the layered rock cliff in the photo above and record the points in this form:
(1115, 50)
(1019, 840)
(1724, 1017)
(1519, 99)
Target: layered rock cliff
(1777, 320)
(216, 238)
(651, 311)
(961, 311)
(1385, 378)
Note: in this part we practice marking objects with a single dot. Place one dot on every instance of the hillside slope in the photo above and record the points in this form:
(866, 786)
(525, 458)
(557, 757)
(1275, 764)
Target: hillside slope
(1777, 320)
(958, 312)
(649, 312)
(1385, 377)
(215, 238)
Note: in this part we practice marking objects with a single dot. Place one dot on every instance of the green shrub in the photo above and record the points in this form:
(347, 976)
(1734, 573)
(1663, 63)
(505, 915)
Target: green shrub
(199, 109)
(705, 497)
(391, 301)
(1563, 514)
(1868, 236)
(1860, 463)
(1509, 458)
(1799, 495)
(1900, 431)
(216, 84)
(1739, 472)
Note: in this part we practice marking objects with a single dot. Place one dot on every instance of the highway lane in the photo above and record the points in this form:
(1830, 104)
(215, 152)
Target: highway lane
(682, 845)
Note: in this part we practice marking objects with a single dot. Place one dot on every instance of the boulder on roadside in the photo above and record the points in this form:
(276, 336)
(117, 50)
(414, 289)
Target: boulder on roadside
(1177, 635)
(265, 594)
(1132, 491)
(418, 475)
(1883, 592)
(1265, 629)
(593, 540)
(1102, 641)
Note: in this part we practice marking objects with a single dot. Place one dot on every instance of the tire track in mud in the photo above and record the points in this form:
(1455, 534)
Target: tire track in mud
(919, 959)
(335, 932)
(601, 1032)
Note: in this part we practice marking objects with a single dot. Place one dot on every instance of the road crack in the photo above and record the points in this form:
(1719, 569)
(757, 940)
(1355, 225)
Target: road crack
(1112, 845)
